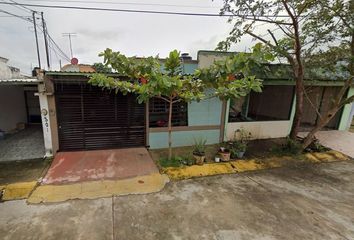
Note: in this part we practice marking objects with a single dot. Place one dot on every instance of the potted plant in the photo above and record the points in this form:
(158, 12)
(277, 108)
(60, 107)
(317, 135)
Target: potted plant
(199, 151)
(241, 149)
(224, 152)
(240, 142)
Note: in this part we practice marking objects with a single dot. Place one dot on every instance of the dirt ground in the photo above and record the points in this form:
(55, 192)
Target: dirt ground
(261, 148)
(22, 171)
(312, 202)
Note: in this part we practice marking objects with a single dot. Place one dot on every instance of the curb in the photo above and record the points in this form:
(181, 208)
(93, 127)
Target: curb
(211, 169)
(16, 191)
(97, 189)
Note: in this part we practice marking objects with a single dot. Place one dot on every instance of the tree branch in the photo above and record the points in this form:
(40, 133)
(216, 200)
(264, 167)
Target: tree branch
(274, 39)
(284, 53)
(165, 99)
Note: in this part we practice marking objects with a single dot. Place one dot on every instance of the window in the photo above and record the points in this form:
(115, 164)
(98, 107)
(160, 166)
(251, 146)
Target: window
(158, 113)
(272, 104)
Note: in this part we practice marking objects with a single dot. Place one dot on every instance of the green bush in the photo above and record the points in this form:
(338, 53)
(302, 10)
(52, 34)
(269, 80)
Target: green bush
(290, 147)
(176, 161)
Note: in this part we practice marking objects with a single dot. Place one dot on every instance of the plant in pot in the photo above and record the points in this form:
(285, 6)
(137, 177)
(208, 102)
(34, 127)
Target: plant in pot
(240, 142)
(241, 149)
(224, 152)
(199, 151)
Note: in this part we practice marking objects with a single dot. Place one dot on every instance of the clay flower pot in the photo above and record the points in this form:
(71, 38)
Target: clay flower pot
(199, 159)
(224, 156)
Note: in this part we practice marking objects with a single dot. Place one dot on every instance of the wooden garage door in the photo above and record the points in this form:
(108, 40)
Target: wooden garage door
(92, 118)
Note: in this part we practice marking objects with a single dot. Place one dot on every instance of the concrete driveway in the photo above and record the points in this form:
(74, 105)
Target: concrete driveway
(308, 202)
(341, 141)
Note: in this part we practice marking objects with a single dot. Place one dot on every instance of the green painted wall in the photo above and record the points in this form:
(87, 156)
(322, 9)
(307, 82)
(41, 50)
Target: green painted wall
(182, 138)
(343, 124)
(206, 112)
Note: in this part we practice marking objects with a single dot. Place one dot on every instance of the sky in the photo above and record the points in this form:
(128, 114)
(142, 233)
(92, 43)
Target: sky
(134, 34)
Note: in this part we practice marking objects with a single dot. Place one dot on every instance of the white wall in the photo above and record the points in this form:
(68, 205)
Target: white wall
(12, 107)
(5, 71)
(260, 130)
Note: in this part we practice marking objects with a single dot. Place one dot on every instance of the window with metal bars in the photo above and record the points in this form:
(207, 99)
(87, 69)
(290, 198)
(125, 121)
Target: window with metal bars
(158, 113)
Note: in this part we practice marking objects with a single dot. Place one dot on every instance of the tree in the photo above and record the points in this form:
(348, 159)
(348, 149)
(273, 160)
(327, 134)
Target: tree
(337, 18)
(146, 78)
(305, 26)
(101, 68)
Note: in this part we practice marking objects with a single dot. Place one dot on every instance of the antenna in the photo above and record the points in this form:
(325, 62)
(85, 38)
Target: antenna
(69, 35)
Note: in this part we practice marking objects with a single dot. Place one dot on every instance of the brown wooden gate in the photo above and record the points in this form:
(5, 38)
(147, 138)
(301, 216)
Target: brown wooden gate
(92, 118)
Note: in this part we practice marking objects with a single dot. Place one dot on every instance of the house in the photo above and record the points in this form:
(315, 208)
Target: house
(270, 114)
(83, 117)
(17, 101)
(20, 115)
(78, 116)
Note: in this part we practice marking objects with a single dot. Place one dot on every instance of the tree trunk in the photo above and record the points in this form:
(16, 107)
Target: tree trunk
(299, 92)
(170, 129)
(323, 122)
(298, 69)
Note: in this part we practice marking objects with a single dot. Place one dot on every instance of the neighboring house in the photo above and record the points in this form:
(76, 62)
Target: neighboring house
(269, 114)
(83, 117)
(78, 68)
(18, 104)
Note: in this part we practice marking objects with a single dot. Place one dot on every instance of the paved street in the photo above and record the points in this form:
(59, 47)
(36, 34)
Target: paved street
(309, 202)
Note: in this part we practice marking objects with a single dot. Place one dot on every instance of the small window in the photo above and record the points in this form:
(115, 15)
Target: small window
(158, 113)
(272, 104)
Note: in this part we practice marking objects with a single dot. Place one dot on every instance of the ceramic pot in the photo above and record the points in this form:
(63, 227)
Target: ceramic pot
(224, 156)
(199, 160)
(240, 154)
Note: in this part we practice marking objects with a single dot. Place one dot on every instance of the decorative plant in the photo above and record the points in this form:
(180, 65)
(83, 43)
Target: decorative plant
(238, 145)
(199, 147)
(224, 147)
(224, 151)
(242, 135)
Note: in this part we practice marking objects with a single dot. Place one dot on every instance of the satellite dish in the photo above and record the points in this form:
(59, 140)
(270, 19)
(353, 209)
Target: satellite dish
(74, 61)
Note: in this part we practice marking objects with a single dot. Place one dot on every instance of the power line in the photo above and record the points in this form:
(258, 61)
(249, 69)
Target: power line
(60, 51)
(22, 7)
(139, 11)
(125, 3)
(18, 7)
(14, 15)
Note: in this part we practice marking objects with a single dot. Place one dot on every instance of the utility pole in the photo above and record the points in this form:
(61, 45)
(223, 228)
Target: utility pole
(44, 26)
(35, 33)
(69, 35)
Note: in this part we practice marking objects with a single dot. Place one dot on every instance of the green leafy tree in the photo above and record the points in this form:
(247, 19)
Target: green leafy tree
(101, 68)
(146, 78)
(333, 23)
(297, 30)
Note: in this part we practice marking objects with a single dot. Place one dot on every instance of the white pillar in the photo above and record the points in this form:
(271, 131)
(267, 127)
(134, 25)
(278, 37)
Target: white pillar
(47, 133)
